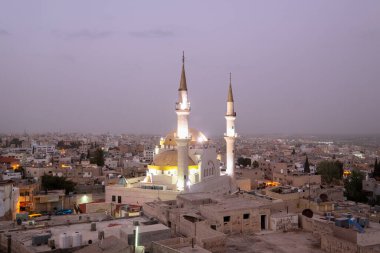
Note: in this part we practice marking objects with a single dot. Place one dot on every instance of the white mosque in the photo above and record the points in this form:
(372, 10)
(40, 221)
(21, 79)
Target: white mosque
(184, 161)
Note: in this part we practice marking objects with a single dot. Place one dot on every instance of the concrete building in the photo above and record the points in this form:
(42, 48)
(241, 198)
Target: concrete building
(296, 179)
(237, 215)
(337, 236)
(8, 200)
(372, 187)
(72, 234)
(54, 200)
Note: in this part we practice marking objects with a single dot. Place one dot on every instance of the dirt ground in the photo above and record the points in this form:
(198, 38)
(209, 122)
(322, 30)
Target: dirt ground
(289, 242)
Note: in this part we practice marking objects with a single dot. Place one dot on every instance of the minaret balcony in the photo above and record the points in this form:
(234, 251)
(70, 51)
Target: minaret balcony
(179, 106)
(185, 137)
(233, 135)
(231, 114)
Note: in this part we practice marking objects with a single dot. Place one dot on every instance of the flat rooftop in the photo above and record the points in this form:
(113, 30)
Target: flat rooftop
(238, 203)
(196, 196)
(290, 242)
(110, 227)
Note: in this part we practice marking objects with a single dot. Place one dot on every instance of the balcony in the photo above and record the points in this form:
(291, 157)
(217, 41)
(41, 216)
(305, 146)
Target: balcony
(182, 106)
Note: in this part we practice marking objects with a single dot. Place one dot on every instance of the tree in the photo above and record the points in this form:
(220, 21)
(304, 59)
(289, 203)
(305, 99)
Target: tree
(98, 158)
(57, 183)
(255, 164)
(376, 170)
(293, 152)
(245, 162)
(21, 170)
(82, 157)
(306, 166)
(16, 142)
(354, 186)
(330, 171)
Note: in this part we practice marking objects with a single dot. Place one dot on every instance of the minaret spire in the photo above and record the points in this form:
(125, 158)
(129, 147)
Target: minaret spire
(182, 83)
(230, 97)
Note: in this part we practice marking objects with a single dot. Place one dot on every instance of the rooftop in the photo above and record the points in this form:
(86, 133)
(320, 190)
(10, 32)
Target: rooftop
(110, 227)
(241, 202)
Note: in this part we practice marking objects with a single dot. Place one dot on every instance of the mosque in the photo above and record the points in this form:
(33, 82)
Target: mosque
(184, 161)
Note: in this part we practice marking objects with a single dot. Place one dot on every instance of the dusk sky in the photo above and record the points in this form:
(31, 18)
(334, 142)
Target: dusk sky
(114, 66)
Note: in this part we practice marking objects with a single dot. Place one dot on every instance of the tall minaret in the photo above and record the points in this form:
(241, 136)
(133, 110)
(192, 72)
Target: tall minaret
(230, 134)
(182, 138)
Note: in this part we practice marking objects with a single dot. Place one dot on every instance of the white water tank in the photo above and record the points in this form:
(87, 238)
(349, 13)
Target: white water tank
(64, 241)
(77, 239)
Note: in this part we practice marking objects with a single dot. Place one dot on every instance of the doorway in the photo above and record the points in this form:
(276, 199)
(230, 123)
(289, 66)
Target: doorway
(263, 222)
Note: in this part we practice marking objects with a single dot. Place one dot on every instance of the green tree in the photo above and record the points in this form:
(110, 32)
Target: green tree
(255, 164)
(49, 182)
(330, 171)
(293, 151)
(353, 186)
(306, 166)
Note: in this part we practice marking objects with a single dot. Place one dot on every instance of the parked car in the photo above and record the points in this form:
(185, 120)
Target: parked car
(34, 215)
(64, 212)
(43, 213)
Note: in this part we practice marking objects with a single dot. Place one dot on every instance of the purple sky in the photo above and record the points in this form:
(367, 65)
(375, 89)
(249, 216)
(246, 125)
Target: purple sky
(98, 66)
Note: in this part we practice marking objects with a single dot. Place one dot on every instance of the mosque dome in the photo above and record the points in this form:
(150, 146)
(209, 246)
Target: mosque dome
(169, 158)
(196, 137)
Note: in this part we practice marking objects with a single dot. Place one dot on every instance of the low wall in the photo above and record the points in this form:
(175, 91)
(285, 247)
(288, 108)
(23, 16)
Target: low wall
(331, 244)
(316, 226)
(347, 234)
(368, 238)
(160, 248)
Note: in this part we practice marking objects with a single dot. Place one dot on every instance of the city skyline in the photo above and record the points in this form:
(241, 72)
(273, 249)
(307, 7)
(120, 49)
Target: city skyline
(297, 68)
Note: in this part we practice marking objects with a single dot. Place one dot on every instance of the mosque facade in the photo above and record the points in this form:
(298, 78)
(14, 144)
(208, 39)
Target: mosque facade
(184, 161)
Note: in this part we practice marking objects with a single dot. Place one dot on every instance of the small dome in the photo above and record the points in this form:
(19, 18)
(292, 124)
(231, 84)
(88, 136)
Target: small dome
(169, 158)
(196, 137)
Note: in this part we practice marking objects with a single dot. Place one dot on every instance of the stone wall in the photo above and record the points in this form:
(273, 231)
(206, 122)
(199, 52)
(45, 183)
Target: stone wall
(331, 244)
(316, 226)
(200, 230)
(138, 196)
(346, 234)
(284, 222)
(153, 209)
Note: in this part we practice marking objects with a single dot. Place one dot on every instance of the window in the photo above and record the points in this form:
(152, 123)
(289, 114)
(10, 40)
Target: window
(227, 218)
(118, 199)
(113, 198)
(213, 227)
(246, 216)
